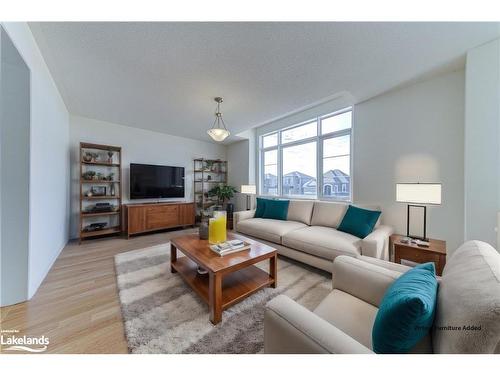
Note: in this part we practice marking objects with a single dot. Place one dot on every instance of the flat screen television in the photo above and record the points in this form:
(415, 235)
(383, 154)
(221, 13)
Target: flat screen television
(156, 181)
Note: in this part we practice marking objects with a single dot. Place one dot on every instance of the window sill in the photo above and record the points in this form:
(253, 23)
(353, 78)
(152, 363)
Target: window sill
(308, 198)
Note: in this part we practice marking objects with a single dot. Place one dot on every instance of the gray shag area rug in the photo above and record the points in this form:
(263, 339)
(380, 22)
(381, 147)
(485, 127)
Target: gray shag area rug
(163, 315)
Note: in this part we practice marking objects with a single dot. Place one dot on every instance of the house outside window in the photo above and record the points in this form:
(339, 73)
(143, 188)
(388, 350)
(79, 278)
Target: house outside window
(311, 159)
(327, 190)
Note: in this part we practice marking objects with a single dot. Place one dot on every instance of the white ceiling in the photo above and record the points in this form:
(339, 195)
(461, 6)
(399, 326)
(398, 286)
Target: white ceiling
(163, 76)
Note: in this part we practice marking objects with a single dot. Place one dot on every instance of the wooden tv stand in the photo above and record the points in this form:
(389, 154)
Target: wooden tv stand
(148, 217)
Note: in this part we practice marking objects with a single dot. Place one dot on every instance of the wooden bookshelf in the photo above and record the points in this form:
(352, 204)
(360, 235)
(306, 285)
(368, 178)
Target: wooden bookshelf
(98, 197)
(99, 181)
(102, 232)
(101, 164)
(94, 214)
(106, 164)
(208, 173)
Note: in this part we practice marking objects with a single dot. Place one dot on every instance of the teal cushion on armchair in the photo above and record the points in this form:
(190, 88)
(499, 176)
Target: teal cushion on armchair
(358, 221)
(406, 312)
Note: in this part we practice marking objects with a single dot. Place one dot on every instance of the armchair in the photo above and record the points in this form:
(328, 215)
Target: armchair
(468, 295)
(341, 323)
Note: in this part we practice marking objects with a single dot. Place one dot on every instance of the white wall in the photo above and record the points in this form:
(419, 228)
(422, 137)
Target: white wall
(14, 174)
(49, 160)
(138, 146)
(252, 159)
(482, 142)
(241, 167)
(237, 155)
(338, 102)
(415, 134)
(238, 170)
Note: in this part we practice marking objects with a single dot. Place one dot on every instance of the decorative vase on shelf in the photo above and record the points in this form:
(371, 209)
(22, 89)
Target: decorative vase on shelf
(217, 227)
(112, 190)
(87, 157)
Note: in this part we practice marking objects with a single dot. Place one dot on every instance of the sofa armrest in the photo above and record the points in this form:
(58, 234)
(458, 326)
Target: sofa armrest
(376, 244)
(386, 264)
(240, 216)
(389, 265)
(361, 279)
(291, 328)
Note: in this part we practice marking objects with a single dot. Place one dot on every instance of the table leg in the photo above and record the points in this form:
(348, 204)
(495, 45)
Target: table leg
(273, 270)
(440, 265)
(173, 257)
(397, 258)
(215, 297)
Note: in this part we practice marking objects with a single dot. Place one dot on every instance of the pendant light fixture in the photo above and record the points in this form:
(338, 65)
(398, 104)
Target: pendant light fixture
(219, 131)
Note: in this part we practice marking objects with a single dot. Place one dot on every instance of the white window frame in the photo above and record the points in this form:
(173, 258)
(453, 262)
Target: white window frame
(262, 168)
(319, 138)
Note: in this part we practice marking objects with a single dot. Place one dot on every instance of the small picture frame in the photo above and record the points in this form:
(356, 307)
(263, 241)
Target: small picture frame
(98, 191)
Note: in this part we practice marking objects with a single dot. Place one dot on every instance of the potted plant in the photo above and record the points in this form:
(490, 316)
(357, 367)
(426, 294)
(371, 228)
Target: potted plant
(223, 194)
(89, 175)
(208, 165)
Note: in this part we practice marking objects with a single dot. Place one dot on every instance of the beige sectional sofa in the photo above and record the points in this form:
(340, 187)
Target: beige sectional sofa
(309, 234)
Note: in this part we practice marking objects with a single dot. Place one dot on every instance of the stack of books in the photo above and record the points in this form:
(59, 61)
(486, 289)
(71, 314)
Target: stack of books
(229, 247)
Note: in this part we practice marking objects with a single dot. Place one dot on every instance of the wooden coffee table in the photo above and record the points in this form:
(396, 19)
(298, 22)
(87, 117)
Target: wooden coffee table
(230, 278)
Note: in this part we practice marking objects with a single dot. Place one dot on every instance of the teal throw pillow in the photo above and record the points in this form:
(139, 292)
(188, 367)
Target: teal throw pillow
(261, 206)
(276, 209)
(406, 312)
(358, 221)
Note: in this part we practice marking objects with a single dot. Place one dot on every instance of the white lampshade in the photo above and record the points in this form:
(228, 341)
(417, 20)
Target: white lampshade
(248, 189)
(418, 193)
(218, 134)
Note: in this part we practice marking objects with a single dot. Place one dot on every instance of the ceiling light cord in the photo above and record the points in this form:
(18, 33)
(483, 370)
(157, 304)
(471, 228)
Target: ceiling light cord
(218, 117)
(223, 123)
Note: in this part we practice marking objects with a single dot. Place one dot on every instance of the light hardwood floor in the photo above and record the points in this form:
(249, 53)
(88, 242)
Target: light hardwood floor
(77, 305)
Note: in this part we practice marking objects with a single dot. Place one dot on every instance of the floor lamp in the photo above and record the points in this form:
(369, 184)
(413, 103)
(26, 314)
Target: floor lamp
(249, 190)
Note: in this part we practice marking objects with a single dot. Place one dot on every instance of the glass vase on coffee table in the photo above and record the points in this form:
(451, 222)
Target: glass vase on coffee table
(217, 231)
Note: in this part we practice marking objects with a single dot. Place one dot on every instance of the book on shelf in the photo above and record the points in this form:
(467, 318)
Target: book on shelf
(229, 247)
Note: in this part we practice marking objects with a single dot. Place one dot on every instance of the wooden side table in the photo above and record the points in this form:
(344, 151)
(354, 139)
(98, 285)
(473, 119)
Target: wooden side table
(435, 252)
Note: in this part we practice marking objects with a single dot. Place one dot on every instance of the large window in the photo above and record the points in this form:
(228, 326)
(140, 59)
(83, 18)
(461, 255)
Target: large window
(299, 169)
(309, 160)
(270, 177)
